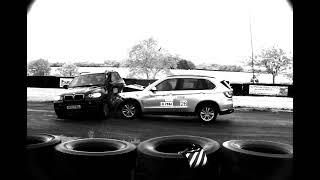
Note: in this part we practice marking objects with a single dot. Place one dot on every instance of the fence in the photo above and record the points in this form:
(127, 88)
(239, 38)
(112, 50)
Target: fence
(239, 89)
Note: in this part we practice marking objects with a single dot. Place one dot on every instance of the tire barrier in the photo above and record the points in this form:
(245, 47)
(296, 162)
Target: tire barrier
(96, 158)
(256, 159)
(158, 158)
(40, 156)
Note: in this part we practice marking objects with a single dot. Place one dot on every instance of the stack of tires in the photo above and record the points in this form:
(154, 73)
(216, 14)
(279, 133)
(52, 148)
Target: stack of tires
(158, 158)
(96, 158)
(256, 159)
(40, 156)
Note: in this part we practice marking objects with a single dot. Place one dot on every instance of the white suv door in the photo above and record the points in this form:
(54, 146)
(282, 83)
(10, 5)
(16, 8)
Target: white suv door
(189, 92)
(161, 99)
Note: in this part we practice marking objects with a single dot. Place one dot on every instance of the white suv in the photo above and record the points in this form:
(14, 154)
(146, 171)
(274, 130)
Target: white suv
(203, 96)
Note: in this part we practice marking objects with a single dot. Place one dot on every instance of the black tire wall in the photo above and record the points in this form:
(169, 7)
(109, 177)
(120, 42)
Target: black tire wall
(40, 156)
(254, 159)
(158, 159)
(96, 158)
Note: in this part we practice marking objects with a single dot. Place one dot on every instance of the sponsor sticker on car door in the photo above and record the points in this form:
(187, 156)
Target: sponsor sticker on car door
(168, 101)
(166, 104)
(183, 103)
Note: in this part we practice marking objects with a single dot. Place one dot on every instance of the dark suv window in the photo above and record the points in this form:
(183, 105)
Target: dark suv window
(167, 85)
(115, 77)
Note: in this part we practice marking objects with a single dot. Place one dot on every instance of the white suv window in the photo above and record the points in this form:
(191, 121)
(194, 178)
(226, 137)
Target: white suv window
(167, 85)
(210, 85)
(189, 84)
(195, 84)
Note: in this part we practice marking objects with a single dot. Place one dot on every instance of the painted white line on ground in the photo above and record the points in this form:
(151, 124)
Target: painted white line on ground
(38, 110)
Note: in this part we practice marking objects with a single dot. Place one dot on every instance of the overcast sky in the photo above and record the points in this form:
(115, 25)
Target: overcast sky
(203, 31)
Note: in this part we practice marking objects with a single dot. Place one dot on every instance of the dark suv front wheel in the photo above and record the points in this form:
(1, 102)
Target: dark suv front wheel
(105, 111)
(60, 115)
(207, 112)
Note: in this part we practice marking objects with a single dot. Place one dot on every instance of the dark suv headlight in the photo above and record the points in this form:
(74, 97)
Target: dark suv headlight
(94, 95)
(57, 98)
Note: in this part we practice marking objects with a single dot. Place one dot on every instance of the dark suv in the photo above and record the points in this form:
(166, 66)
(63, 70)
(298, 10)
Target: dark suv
(90, 93)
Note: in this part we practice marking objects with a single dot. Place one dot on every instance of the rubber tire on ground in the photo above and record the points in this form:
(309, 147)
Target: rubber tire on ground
(137, 109)
(158, 158)
(215, 109)
(40, 156)
(96, 158)
(256, 159)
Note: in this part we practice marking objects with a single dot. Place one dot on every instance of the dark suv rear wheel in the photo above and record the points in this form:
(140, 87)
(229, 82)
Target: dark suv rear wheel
(207, 112)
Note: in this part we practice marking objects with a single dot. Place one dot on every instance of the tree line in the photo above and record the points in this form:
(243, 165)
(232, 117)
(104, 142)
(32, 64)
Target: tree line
(148, 58)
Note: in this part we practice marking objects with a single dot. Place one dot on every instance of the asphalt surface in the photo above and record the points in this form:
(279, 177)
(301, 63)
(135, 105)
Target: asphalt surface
(260, 125)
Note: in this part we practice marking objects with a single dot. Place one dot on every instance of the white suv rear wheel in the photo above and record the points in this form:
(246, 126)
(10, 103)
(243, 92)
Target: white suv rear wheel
(207, 113)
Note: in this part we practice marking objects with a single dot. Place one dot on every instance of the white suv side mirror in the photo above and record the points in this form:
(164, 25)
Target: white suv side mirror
(153, 89)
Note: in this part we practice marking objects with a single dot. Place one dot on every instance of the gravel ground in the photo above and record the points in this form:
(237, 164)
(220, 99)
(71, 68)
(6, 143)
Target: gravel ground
(240, 102)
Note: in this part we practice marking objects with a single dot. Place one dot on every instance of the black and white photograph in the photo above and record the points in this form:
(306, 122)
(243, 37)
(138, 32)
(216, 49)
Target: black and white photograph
(159, 90)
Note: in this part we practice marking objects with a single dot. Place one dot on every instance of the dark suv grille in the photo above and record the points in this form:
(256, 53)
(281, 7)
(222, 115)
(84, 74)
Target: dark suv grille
(76, 97)
(68, 97)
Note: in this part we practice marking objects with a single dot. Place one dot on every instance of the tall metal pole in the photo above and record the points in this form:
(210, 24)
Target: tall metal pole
(251, 46)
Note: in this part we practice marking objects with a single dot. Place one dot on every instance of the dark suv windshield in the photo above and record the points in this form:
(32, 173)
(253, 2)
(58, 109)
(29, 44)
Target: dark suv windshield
(88, 80)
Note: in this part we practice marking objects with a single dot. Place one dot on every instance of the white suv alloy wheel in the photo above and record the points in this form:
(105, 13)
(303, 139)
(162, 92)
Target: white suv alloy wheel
(207, 113)
(128, 110)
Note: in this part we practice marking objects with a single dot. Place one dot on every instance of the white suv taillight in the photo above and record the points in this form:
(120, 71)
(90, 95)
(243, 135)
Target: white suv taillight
(228, 94)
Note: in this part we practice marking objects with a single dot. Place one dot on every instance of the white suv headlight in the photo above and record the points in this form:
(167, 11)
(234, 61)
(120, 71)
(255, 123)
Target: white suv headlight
(94, 95)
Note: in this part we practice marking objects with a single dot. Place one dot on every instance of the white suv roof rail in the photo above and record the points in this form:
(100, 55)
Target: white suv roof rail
(191, 75)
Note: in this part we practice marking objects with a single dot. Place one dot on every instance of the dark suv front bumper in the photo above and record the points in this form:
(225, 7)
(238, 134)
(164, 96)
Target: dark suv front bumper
(92, 106)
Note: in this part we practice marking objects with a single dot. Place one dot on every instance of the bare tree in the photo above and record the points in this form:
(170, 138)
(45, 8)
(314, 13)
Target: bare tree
(149, 59)
(274, 60)
(185, 64)
(39, 67)
(111, 63)
(68, 70)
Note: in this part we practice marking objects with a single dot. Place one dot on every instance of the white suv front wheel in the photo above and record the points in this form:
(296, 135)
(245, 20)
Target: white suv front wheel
(207, 113)
(129, 110)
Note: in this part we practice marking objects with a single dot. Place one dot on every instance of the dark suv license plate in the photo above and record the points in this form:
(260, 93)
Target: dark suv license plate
(74, 107)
